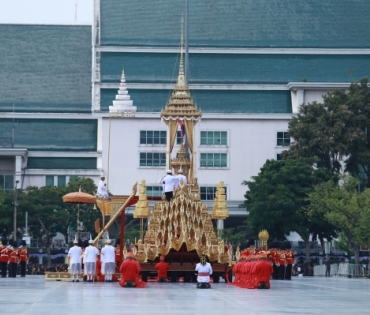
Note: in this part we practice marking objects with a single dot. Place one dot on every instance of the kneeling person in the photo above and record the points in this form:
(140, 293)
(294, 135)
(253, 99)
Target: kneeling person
(130, 270)
(162, 267)
(204, 270)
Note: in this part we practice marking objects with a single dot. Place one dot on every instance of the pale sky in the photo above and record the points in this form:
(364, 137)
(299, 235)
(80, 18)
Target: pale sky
(46, 12)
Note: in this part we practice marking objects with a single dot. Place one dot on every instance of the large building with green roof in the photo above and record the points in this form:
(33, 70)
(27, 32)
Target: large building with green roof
(251, 65)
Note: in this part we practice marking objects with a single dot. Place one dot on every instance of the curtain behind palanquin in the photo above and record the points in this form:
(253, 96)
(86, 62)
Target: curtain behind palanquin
(173, 130)
(189, 129)
(189, 134)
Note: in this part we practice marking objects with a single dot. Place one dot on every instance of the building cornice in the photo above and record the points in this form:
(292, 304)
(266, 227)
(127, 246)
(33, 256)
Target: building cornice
(77, 172)
(46, 115)
(206, 116)
(65, 154)
(13, 152)
(317, 86)
(169, 86)
(249, 51)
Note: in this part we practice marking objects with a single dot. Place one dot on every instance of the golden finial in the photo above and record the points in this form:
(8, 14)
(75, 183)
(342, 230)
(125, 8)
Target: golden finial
(263, 237)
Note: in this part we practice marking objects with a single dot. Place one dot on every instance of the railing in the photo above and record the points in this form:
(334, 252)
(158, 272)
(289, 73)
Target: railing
(343, 270)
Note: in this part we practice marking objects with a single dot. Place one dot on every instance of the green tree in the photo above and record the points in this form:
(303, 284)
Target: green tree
(335, 130)
(345, 208)
(48, 214)
(277, 200)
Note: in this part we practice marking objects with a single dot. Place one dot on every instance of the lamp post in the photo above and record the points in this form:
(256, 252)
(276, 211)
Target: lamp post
(15, 211)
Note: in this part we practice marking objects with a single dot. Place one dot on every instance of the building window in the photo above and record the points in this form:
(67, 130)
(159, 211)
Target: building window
(154, 191)
(178, 137)
(62, 180)
(49, 180)
(278, 157)
(152, 137)
(213, 138)
(213, 159)
(7, 182)
(283, 139)
(152, 159)
(209, 192)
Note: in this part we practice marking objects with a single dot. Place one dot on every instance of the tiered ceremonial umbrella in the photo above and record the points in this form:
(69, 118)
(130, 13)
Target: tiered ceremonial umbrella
(78, 198)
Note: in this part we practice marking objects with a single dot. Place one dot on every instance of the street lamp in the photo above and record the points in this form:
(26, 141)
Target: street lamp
(15, 211)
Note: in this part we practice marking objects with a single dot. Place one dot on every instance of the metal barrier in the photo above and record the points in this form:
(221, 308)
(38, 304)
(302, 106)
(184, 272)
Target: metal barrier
(343, 270)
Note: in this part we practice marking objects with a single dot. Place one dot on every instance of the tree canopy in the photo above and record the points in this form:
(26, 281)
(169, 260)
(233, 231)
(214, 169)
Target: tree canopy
(335, 130)
(277, 199)
(46, 211)
(345, 208)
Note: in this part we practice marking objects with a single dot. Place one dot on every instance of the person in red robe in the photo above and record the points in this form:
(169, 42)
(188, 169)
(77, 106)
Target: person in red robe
(162, 267)
(130, 270)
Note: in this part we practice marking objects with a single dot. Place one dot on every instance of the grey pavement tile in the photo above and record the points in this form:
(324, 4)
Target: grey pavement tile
(33, 295)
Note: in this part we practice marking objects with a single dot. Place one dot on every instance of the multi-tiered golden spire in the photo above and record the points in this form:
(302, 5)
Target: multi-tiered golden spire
(181, 105)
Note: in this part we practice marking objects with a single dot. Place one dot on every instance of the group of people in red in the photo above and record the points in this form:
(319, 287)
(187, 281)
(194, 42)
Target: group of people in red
(10, 256)
(256, 265)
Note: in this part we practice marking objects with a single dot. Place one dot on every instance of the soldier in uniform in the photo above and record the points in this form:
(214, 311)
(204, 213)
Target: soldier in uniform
(23, 257)
(14, 258)
(282, 262)
(289, 256)
(4, 258)
(10, 250)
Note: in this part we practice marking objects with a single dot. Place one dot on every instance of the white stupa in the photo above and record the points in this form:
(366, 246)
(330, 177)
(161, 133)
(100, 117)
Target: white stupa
(122, 105)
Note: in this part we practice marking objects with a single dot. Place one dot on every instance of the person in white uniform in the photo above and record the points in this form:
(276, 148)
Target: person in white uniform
(204, 271)
(108, 260)
(180, 177)
(90, 254)
(169, 183)
(102, 189)
(74, 260)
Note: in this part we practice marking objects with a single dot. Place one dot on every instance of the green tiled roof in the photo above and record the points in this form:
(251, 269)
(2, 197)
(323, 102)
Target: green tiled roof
(252, 23)
(219, 101)
(49, 134)
(235, 68)
(45, 68)
(61, 163)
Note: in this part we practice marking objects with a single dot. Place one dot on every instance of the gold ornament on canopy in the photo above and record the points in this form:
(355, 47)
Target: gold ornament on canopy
(142, 210)
(220, 211)
(263, 237)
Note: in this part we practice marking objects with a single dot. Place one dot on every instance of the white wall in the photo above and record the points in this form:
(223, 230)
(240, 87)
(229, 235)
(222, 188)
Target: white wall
(71, 12)
(251, 142)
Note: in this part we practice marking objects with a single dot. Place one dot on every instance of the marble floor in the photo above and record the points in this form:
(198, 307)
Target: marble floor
(312, 295)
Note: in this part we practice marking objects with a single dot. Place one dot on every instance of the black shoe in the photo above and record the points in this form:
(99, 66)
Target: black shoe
(73, 280)
(77, 280)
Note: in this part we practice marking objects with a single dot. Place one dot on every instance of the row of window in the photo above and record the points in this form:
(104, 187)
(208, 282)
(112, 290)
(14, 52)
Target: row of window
(57, 180)
(206, 159)
(206, 192)
(206, 137)
(160, 137)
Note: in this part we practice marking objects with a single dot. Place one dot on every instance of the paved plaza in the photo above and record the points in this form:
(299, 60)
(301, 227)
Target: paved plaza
(313, 295)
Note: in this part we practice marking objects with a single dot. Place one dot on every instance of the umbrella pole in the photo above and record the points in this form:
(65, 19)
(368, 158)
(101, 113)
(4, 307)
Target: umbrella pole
(141, 229)
(78, 221)
(122, 236)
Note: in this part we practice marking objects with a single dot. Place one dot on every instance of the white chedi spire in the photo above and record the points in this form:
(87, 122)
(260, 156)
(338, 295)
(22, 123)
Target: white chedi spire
(122, 105)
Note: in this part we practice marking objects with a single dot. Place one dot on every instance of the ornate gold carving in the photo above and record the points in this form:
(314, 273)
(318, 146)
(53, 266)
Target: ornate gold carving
(220, 210)
(142, 207)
